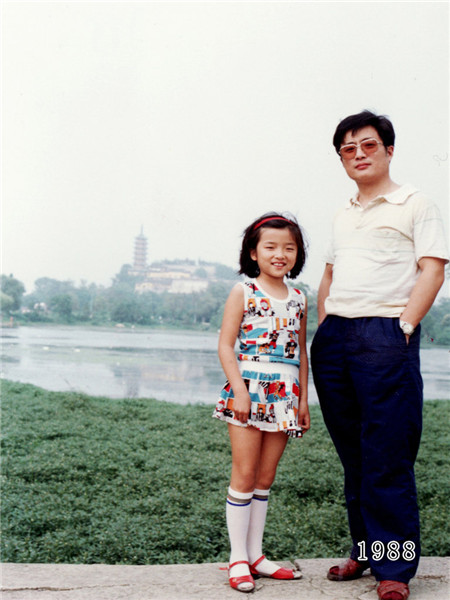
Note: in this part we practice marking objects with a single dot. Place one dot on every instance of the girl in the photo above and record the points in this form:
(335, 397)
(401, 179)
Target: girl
(265, 400)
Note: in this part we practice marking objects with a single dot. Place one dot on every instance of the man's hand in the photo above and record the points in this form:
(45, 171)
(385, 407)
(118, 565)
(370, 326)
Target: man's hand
(324, 292)
(425, 290)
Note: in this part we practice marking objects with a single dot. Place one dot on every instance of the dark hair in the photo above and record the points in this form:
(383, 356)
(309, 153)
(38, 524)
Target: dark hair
(365, 118)
(252, 234)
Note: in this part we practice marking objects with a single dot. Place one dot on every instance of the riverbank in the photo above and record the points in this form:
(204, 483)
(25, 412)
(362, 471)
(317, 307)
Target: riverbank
(94, 480)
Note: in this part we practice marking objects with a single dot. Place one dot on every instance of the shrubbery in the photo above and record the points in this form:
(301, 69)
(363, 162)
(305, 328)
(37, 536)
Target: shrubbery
(94, 480)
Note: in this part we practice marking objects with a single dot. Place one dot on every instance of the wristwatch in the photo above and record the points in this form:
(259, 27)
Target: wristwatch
(406, 327)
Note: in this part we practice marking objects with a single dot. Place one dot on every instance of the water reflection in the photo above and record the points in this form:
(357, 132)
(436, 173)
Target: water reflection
(183, 376)
(131, 377)
(180, 367)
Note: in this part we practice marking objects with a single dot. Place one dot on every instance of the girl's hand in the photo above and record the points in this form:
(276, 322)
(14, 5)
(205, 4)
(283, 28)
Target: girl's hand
(241, 406)
(304, 419)
(232, 317)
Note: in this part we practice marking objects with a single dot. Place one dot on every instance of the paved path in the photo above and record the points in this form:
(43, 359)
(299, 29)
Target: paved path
(202, 582)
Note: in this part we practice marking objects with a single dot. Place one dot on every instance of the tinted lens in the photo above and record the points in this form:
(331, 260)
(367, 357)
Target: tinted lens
(348, 151)
(369, 146)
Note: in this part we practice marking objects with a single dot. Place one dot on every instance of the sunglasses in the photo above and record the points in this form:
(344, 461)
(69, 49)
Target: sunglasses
(369, 147)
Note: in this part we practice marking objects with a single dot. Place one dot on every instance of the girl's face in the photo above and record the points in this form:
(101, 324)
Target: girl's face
(276, 252)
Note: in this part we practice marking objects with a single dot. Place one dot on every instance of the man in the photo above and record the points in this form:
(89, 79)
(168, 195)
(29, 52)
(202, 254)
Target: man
(384, 268)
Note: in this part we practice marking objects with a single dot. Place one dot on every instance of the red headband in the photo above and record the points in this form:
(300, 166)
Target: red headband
(271, 219)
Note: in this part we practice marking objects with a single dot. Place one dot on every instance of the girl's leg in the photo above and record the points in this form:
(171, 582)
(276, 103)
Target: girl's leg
(245, 451)
(238, 517)
(246, 444)
(272, 449)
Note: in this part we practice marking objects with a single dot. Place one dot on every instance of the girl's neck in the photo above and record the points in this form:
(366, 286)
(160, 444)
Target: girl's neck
(273, 285)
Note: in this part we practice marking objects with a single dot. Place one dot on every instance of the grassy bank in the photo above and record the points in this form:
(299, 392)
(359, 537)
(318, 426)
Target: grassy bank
(94, 480)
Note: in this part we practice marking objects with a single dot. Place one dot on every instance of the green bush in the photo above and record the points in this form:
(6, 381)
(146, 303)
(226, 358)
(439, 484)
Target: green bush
(95, 480)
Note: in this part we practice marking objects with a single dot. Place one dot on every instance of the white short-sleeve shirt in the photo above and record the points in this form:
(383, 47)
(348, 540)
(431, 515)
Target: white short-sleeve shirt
(375, 250)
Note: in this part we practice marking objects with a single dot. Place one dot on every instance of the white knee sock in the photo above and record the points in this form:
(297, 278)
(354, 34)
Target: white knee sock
(258, 514)
(238, 517)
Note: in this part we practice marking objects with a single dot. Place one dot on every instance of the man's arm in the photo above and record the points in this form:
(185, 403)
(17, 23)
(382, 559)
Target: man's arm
(324, 292)
(425, 290)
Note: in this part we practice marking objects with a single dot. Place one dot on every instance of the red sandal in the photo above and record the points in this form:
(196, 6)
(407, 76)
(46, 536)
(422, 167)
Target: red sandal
(392, 590)
(281, 573)
(347, 571)
(244, 583)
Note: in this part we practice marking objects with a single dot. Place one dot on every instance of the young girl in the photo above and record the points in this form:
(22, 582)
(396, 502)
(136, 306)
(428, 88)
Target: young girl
(265, 399)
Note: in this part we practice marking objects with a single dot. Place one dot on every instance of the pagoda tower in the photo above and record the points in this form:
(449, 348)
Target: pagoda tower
(140, 252)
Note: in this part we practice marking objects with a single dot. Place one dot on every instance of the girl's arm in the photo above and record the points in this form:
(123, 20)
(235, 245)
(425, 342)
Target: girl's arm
(232, 317)
(303, 410)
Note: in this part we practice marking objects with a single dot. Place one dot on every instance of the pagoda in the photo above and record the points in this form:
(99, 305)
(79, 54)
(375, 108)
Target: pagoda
(140, 253)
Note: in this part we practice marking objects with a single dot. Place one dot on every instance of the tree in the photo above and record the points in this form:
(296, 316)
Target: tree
(47, 288)
(85, 296)
(63, 306)
(6, 303)
(436, 324)
(126, 311)
(124, 278)
(224, 272)
(201, 273)
(14, 289)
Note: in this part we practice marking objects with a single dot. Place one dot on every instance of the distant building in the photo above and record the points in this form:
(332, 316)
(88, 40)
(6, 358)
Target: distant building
(140, 253)
(172, 283)
(175, 277)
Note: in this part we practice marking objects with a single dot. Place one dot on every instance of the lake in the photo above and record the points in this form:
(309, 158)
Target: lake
(176, 366)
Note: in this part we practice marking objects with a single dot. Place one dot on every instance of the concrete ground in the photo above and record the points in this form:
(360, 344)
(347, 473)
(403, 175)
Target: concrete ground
(202, 582)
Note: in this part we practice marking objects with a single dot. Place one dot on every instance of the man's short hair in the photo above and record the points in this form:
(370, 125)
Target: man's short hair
(365, 118)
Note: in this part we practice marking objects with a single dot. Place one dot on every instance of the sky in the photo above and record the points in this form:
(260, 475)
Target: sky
(191, 119)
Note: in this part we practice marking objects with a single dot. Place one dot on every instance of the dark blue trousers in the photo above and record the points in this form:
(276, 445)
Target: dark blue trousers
(370, 390)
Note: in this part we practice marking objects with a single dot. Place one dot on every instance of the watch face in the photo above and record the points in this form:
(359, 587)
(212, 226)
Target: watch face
(407, 328)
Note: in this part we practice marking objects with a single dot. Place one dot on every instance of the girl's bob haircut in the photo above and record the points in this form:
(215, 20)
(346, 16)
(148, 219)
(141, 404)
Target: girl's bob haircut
(252, 234)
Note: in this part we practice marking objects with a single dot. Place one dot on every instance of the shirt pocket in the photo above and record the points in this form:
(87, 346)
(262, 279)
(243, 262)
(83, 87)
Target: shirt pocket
(389, 243)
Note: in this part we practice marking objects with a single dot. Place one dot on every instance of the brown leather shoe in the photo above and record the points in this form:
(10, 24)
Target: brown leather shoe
(392, 590)
(348, 570)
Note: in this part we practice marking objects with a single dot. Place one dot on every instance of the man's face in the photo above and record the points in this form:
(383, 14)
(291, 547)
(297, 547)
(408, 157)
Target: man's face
(364, 167)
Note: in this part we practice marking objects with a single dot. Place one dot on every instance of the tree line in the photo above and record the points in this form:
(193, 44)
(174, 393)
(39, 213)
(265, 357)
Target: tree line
(63, 302)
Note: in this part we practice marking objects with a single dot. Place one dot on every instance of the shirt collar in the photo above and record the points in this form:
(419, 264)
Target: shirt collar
(397, 197)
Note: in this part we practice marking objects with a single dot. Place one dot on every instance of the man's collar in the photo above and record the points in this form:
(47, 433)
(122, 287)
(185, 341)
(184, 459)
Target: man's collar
(398, 196)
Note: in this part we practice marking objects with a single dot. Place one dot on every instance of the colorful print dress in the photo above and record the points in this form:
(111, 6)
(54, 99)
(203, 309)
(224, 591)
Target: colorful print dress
(269, 361)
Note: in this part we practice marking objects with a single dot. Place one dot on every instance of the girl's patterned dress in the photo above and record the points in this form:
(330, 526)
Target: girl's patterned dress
(269, 361)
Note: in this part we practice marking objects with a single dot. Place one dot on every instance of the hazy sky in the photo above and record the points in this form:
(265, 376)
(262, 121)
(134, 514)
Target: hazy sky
(193, 118)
